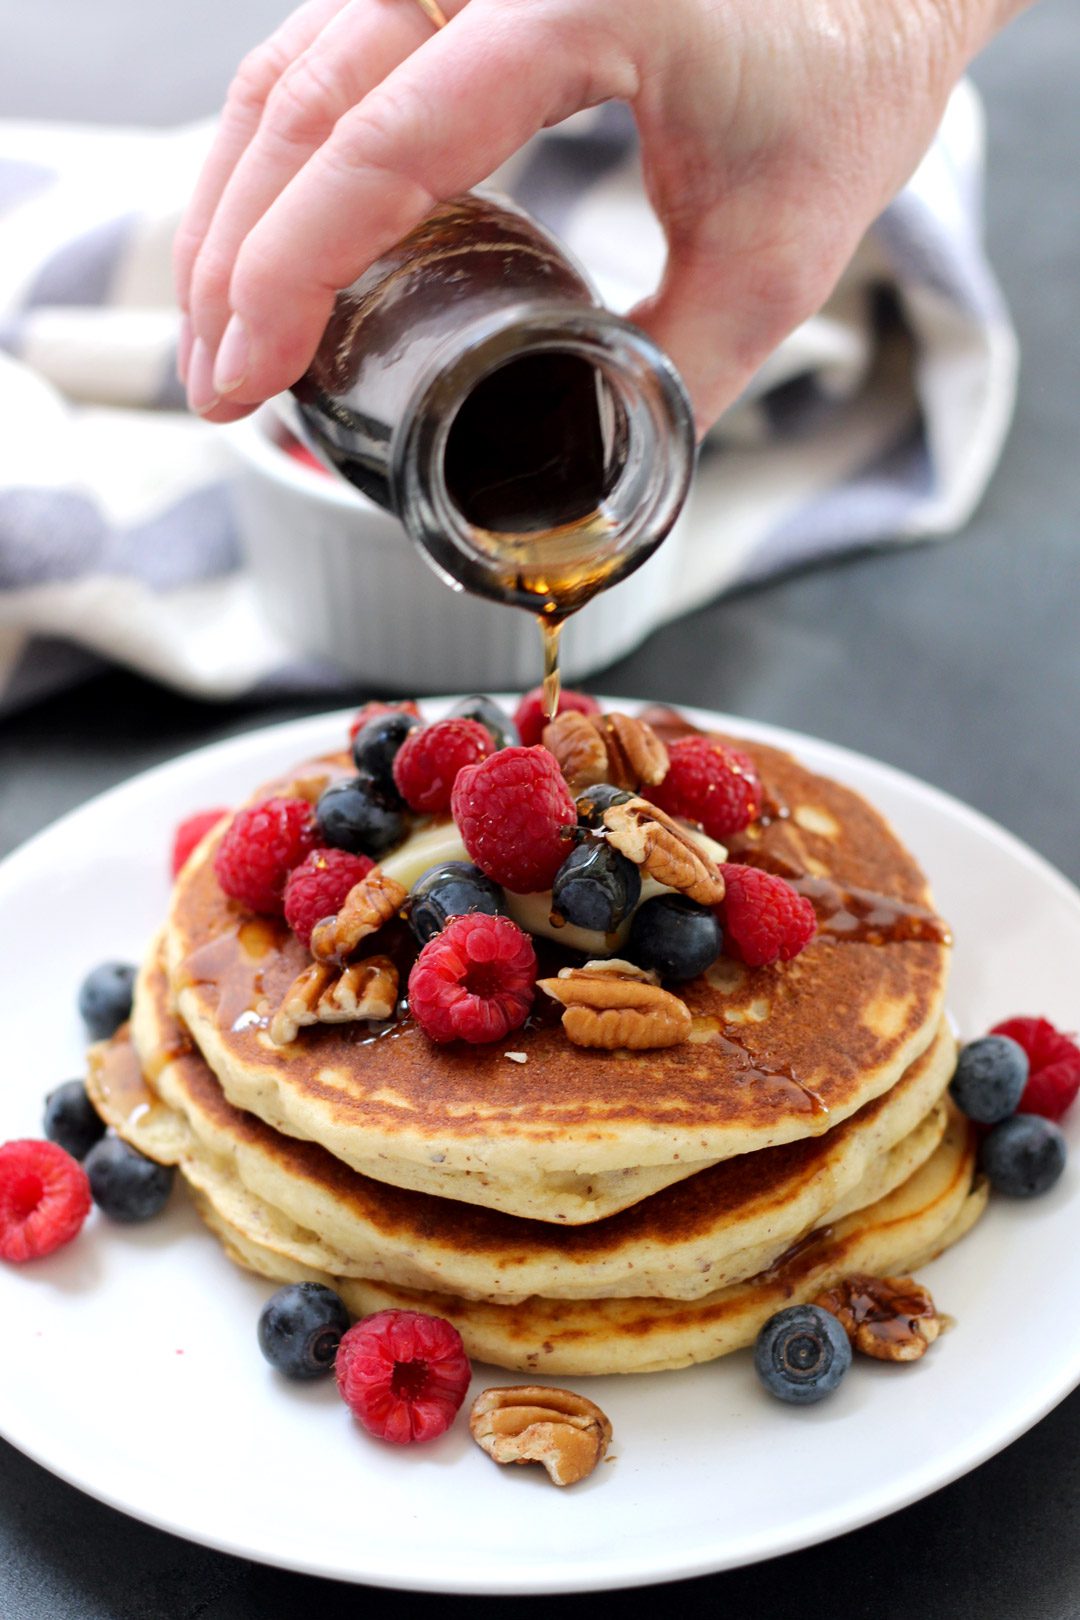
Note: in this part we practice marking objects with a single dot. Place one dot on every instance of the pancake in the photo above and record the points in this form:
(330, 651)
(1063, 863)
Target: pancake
(719, 1226)
(777, 1054)
(545, 1337)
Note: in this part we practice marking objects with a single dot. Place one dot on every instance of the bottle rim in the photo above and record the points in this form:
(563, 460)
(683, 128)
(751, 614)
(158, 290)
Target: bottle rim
(653, 480)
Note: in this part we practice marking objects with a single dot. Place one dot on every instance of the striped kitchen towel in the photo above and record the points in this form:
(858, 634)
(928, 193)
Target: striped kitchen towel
(879, 420)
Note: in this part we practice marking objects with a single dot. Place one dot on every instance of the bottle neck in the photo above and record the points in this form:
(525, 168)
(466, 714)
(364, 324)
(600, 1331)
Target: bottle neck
(544, 455)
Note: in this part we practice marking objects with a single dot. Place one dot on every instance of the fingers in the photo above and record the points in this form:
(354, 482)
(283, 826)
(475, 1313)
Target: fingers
(364, 42)
(252, 84)
(448, 115)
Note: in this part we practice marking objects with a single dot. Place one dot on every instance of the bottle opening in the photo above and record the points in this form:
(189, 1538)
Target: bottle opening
(548, 460)
(531, 446)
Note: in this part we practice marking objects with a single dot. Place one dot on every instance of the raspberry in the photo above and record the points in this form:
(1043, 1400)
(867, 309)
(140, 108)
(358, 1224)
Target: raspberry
(763, 918)
(372, 711)
(1054, 1076)
(190, 833)
(44, 1199)
(710, 783)
(475, 981)
(530, 719)
(511, 810)
(317, 888)
(403, 1374)
(428, 761)
(262, 845)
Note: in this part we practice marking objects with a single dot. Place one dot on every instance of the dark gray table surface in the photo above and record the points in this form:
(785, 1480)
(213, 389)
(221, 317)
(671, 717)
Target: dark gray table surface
(959, 662)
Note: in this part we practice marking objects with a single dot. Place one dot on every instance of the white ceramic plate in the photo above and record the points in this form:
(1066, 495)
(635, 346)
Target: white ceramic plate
(128, 1362)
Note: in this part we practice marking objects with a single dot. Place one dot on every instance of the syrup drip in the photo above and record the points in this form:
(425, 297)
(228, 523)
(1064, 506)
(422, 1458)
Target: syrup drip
(753, 1069)
(796, 1251)
(388, 1029)
(181, 1048)
(236, 965)
(119, 1079)
(550, 633)
(866, 917)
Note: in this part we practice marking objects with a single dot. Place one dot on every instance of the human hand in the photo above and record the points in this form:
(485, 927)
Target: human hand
(772, 133)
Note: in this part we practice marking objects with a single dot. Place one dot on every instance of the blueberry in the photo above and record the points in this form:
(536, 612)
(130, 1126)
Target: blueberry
(801, 1354)
(596, 887)
(990, 1078)
(300, 1328)
(358, 816)
(1023, 1156)
(451, 890)
(674, 935)
(375, 748)
(70, 1119)
(495, 720)
(125, 1185)
(105, 998)
(595, 800)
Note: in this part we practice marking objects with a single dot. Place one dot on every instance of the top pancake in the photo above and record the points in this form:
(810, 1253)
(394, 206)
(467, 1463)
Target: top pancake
(777, 1053)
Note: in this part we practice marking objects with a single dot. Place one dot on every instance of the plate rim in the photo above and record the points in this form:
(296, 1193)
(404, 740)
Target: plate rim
(960, 1458)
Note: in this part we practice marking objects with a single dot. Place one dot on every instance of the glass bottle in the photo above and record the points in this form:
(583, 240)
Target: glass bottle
(536, 447)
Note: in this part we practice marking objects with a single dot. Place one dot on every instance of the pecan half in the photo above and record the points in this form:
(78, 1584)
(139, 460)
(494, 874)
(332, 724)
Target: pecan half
(324, 995)
(636, 756)
(664, 850)
(299, 1003)
(613, 1005)
(615, 748)
(368, 905)
(578, 747)
(565, 1432)
(890, 1318)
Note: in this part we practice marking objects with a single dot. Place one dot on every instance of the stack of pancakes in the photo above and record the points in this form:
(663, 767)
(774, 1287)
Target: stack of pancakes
(578, 1211)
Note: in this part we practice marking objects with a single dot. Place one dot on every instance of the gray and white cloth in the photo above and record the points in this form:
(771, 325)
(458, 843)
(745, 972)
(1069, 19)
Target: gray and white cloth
(879, 420)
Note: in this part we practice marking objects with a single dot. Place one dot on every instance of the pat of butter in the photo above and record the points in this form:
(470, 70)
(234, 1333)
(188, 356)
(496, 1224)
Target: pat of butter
(533, 913)
(716, 852)
(436, 842)
(430, 845)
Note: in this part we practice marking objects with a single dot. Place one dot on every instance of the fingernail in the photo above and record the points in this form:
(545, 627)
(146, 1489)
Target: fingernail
(233, 357)
(183, 347)
(200, 383)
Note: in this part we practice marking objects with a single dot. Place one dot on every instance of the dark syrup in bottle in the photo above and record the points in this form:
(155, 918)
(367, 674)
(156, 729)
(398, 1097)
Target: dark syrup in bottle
(536, 447)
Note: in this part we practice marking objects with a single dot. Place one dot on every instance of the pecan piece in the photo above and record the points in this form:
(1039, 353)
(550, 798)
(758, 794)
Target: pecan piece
(565, 1432)
(636, 756)
(615, 748)
(366, 989)
(368, 905)
(578, 748)
(613, 1005)
(890, 1318)
(664, 850)
(299, 1003)
(324, 995)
